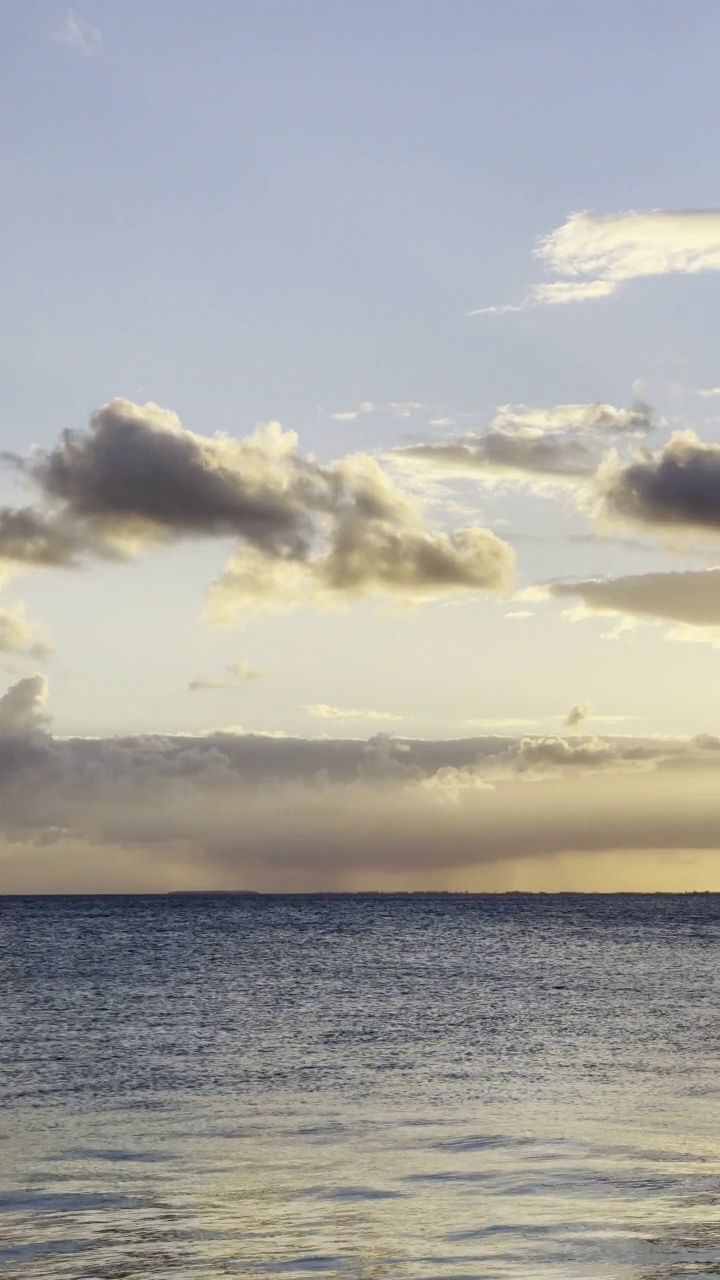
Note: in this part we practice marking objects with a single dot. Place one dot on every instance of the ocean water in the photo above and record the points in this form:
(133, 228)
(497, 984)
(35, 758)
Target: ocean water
(410, 1087)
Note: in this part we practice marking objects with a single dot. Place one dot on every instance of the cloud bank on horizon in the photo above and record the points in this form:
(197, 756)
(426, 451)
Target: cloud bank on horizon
(223, 809)
(597, 254)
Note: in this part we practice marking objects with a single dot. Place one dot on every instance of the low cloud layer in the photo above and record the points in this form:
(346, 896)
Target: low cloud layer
(687, 596)
(307, 533)
(611, 249)
(245, 810)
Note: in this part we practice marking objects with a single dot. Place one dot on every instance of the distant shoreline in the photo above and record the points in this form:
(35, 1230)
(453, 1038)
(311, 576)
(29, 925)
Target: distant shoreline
(207, 894)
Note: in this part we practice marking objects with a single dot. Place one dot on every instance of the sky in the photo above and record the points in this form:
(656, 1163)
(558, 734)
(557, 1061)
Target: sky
(360, 455)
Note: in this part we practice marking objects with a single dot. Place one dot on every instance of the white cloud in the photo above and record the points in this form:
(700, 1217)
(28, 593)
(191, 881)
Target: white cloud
(398, 409)
(612, 249)
(79, 34)
(22, 707)
(627, 246)
(321, 711)
(576, 418)
(18, 635)
(555, 293)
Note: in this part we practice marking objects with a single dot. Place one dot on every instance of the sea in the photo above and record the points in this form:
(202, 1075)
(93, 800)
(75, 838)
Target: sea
(363, 1086)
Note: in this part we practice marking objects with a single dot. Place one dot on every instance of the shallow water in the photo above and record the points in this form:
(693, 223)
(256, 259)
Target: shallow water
(405, 1087)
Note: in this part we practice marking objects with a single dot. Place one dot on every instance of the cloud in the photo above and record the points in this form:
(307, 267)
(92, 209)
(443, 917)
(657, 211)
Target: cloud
(248, 810)
(321, 711)
(33, 538)
(536, 446)
(577, 715)
(687, 596)
(555, 293)
(675, 488)
(136, 477)
(612, 249)
(18, 636)
(79, 35)
(398, 409)
(307, 533)
(497, 455)
(238, 674)
(22, 707)
(581, 419)
(707, 393)
(627, 246)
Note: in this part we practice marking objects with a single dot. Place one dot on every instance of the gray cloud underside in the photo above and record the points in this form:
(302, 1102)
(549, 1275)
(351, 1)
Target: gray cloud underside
(526, 443)
(690, 596)
(306, 533)
(675, 488)
(31, 537)
(502, 454)
(234, 809)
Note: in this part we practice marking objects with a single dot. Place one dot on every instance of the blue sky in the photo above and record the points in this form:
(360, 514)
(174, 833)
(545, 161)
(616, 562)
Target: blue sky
(245, 211)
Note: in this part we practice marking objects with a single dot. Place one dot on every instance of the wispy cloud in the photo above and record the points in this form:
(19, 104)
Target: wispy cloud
(398, 409)
(321, 711)
(79, 34)
(613, 249)
(237, 674)
(555, 293)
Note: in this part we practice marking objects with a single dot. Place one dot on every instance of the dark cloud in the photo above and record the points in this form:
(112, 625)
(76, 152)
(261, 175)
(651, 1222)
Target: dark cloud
(136, 473)
(689, 596)
(135, 478)
(30, 537)
(675, 488)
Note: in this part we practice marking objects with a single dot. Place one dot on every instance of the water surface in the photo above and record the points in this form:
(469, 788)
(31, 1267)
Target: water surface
(410, 1087)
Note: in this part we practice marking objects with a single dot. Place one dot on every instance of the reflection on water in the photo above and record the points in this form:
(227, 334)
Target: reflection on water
(406, 1088)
